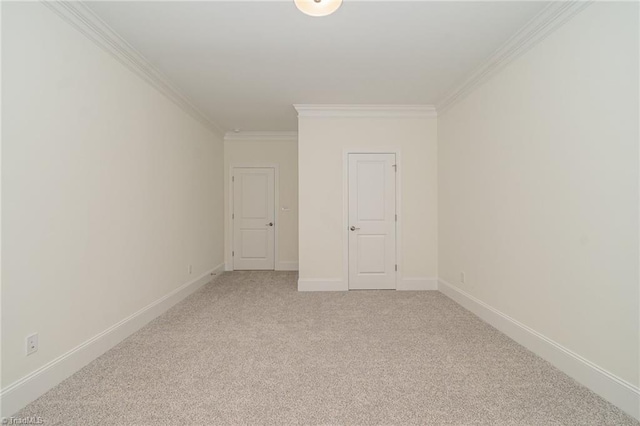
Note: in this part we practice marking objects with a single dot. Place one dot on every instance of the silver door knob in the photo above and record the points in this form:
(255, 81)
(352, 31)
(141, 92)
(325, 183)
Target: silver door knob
(353, 228)
(270, 224)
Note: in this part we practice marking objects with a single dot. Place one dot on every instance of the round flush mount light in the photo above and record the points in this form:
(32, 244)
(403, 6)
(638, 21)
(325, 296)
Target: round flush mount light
(318, 7)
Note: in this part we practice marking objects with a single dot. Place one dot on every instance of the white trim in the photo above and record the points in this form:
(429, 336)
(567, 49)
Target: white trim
(81, 17)
(306, 110)
(417, 284)
(33, 385)
(345, 206)
(607, 385)
(261, 136)
(551, 18)
(335, 284)
(286, 265)
(276, 213)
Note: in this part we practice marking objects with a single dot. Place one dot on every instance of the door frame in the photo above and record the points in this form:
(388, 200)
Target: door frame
(276, 208)
(345, 208)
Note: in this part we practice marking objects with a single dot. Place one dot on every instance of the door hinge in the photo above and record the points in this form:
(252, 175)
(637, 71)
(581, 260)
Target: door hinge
(395, 167)
(396, 267)
(396, 218)
(233, 178)
(233, 253)
(233, 216)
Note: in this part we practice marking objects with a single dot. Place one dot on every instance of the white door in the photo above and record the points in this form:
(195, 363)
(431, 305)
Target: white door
(372, 221)
(253, 218)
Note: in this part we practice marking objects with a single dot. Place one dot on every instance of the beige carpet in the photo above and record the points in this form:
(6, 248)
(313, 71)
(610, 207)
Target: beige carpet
(249, 349)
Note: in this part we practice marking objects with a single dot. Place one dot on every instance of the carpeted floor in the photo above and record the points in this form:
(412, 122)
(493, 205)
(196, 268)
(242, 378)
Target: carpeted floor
(249, 349)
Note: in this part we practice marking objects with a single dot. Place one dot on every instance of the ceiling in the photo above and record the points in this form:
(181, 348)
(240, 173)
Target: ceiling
(245, 63)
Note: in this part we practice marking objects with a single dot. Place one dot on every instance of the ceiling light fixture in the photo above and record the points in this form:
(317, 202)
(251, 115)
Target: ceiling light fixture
(318, 7)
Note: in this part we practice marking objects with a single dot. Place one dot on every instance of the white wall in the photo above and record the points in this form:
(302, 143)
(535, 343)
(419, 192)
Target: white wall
(322, 143)
(109, 190)
(284, 153)
(538, 189)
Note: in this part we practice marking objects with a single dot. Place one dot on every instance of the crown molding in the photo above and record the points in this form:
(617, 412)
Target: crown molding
(305, 110)
(261, 136)
(551, 18)
(81, 17)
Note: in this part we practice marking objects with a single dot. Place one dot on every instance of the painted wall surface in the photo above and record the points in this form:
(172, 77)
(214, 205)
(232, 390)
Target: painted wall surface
(538, 189)
(323, 142)
(109, 190)
(285, 155)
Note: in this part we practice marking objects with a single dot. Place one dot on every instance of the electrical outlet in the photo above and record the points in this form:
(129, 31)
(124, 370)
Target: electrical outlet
(190, 269)
(32, 343)
(462, 277)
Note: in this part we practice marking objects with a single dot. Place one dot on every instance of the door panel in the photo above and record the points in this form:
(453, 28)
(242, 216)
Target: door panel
(255, 189)
(254, 244)
(371, 254)
(372, 210)
(370, 190)
(253, 219)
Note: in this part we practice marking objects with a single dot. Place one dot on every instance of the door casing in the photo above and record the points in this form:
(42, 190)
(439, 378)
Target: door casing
(276, 183)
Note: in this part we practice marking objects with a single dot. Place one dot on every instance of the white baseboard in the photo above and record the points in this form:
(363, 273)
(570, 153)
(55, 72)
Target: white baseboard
(319, 284)
(279, 266)
(610, 387)
(417, 284)
(18, 394)
(322, 285)
(286, 266)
